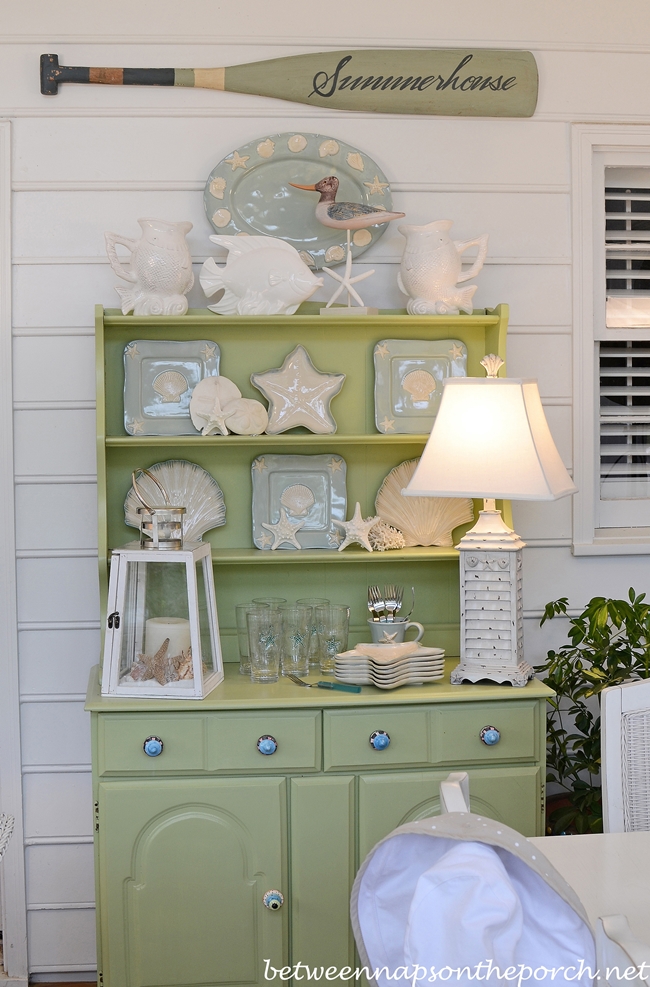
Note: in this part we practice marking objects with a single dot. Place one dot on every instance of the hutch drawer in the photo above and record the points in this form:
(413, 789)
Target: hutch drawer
(456, 733)
(346, 738)
(121, 738)
(233, 741)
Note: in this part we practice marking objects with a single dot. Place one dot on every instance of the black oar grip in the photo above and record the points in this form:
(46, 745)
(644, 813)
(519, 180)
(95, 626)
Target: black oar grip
(52, 74)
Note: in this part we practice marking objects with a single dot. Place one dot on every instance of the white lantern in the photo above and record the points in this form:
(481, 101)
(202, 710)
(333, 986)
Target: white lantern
(162, 633)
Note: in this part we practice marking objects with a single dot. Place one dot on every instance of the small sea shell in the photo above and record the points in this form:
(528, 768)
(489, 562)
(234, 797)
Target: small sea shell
(355, 160)
(383, 537)
(328, 147)
(307, 258)
(334, 253)
(422, 520)
(297, 143)
(244, 416)
(221, 217)
(170, 385)
(362, 237)
(298, 500)
(217, 187)
(420, 384)
(266, 148)
(208, 398)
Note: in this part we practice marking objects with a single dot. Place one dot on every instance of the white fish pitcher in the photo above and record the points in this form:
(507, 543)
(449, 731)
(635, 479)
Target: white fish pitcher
(432, 269)
(159, 268)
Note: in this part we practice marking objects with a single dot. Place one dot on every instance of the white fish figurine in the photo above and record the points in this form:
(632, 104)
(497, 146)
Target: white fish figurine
(432, 269)
(262, 276)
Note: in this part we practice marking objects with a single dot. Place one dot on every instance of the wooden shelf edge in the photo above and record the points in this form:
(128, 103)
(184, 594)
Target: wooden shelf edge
(304, 319)
(333, 438)
(255, 556)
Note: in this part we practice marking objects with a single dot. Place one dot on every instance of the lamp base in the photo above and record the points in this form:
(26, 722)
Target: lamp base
(473, 671)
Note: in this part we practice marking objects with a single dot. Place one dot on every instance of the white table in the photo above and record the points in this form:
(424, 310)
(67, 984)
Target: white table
(610, 872)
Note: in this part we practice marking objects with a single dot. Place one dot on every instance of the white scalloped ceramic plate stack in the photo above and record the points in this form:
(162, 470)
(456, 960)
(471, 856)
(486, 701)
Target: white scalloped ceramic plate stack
(390, 666)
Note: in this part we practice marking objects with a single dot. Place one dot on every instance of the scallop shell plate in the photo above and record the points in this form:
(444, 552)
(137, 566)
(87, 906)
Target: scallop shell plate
(422, 520)
(170, 385)
(188, 486)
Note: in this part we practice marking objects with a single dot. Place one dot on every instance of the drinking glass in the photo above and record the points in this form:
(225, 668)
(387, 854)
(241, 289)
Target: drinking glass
(332, 624)
(313, 602)
(264, 643)
(241, 610)
(270, 601)
(296, 635)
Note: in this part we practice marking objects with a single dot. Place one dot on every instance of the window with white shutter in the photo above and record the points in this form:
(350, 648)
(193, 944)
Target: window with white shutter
(624, 419)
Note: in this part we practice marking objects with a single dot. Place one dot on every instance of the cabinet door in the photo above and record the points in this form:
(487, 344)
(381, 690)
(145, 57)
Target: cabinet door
(183, 866)
(511, 795)
(322, 870)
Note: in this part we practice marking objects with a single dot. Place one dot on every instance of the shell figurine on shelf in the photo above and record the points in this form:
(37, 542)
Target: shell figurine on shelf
(217, 408)
(187, 485)
(159, 269)
(432, 269)
(422, 520)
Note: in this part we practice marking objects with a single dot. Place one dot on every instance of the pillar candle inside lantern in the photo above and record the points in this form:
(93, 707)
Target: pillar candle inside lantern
(177, 629)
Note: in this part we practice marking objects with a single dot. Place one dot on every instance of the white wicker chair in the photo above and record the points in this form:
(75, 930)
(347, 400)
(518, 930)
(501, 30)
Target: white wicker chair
(625, 750)
(6, 829)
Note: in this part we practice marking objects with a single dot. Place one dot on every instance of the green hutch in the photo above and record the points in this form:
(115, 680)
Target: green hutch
(187, 843)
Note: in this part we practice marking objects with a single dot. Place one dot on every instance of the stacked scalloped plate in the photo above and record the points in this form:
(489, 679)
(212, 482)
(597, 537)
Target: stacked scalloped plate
(389, 666)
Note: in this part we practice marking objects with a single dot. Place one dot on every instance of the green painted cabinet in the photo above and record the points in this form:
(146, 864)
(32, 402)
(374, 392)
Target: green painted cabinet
(188, 842)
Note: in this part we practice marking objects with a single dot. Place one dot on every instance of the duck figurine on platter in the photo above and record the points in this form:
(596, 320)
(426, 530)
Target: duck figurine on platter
(346, 216)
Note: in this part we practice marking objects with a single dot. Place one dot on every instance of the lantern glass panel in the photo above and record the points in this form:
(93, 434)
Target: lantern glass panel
(156, 610)
(205, 596)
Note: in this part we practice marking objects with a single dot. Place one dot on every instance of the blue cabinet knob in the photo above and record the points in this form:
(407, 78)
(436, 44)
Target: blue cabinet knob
(153, 746)
(267, 745)
(379, 740)
(273, 899)
(490, 736)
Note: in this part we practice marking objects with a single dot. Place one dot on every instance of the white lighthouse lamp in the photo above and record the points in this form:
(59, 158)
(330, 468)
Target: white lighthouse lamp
(491, 439)
(162, 631)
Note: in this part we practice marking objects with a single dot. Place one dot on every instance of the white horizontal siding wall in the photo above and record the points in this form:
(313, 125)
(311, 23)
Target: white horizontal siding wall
(96, 158)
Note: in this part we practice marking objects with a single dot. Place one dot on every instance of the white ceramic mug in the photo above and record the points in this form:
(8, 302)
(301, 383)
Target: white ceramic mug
(393, 631)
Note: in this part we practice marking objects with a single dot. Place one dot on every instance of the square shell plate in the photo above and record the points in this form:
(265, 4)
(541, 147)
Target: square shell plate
(275, 479)
(408, 381)
(150, 407)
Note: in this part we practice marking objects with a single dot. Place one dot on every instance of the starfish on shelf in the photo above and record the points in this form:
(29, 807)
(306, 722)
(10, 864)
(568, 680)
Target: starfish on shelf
(284, 530)
(298, 394)
(346, 281)
(357, 529)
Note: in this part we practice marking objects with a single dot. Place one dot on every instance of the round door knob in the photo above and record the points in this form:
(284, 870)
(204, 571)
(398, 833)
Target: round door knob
(153, 746)
(267, 745)
(379, 740)
(490, 736)
(273, 900)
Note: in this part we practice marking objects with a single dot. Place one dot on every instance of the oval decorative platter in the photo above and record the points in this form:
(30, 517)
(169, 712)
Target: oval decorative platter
(249, 192)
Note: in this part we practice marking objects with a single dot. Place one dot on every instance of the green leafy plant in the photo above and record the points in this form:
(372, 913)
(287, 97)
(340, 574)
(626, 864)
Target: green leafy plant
(609, 642)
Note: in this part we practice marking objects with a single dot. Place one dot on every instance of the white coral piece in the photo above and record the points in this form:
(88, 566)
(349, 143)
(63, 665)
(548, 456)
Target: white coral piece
(384, 537)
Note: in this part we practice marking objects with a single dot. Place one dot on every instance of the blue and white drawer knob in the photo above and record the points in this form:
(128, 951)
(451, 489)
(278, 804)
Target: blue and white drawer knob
(379, 740)
(490, 736)
(273, 899)
(267, 745)
(153, 746)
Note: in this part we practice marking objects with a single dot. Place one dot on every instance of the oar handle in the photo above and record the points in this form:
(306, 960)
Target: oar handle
(52, 74)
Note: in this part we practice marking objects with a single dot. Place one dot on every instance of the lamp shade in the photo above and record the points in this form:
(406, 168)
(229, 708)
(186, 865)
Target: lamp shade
(490, 439)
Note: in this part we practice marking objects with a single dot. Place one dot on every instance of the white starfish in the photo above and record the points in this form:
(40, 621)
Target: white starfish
(346, 280)
(456, 351)
(284, 530)
(382, 350)
(237, 161)
(375, 187)
(208, 351)
(259, 465)
(132, 350)
(357, 529)
(265, 540)
(388, 424)
(137, 427)
(387, 638)
(299, 394)
(336, 465)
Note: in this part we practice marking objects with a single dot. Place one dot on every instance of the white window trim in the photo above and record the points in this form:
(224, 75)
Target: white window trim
(594, 148)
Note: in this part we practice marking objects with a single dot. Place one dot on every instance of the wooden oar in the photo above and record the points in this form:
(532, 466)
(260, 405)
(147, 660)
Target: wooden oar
(448, 81)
